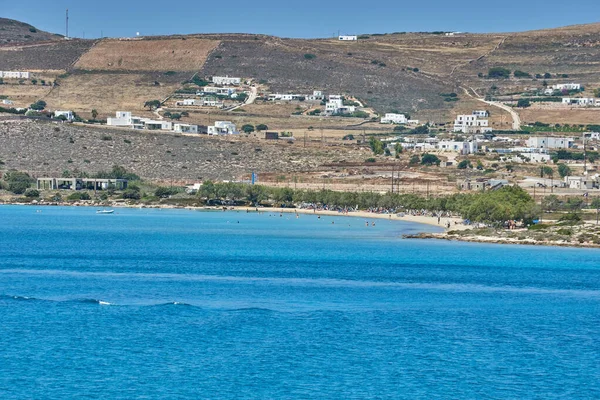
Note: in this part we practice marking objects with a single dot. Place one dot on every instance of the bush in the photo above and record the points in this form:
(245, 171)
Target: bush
(32, 193)
(164, 192)
(132, 194)
(430, 159)
(310, 56)
(79, 196)
(498, 72)
(523, 103)
(464, 164)
(521, 74)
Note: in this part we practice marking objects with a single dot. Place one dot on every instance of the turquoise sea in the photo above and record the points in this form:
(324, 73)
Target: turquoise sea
(174, 304)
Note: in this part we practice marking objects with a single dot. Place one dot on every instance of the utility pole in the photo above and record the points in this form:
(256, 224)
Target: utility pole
(393, 168)
(67, 25)
(584, 157)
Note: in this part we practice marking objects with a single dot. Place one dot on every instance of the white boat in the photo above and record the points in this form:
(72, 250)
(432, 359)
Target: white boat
(105, 211)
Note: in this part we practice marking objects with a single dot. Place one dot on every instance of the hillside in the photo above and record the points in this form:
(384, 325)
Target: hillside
(406, 72)
(12, 32)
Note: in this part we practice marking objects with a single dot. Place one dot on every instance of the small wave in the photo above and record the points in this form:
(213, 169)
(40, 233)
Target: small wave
(93, 301)
(251, 309)
(176, 303)
(18, 298)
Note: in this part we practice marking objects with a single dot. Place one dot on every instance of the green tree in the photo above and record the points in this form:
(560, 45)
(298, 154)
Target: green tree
(94, 114)
(261, 127)
(430, 159)
(38, 105)
(523, 103)
(248, 128)
(564, 170)
(414, 159)
(498, 72)
(464, 164)
(376, 145)
(152, 104)
(546, 171)
(398, 149)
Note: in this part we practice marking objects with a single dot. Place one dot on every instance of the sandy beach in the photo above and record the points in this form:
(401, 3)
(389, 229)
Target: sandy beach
(455, 223)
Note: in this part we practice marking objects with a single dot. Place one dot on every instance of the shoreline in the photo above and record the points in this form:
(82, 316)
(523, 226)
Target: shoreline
(499, 240)
(455, 223)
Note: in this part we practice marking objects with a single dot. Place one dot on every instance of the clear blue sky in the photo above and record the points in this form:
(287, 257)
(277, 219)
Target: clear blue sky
(303, 18)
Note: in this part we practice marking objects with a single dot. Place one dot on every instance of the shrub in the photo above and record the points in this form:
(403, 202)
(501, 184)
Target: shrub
(523, 103)
(464, 164)
(79, 196)
(498, 72)
(430, 159)
(164, 192)
(32, 193)
(310, 56)
(521, 74)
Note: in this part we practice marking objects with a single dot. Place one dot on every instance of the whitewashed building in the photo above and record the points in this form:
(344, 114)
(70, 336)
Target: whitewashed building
(223, 128)
(67, 114)
(582, 182)
(481, 113)
(185, 128)
(15, 74)
(316, 95)
(471, 124)
(188, 102)
(122, 118)
(567, 86)
(7, 102)
(347, 38)
(545, 142)
(581, 101)
(392, 118)
(226, 80)
(219, 91)
(464, 147)
(336, 106)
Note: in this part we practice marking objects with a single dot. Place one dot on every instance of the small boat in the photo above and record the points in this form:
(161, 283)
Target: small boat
(105, 211)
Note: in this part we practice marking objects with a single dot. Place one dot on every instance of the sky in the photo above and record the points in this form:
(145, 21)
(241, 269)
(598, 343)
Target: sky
(296, 19)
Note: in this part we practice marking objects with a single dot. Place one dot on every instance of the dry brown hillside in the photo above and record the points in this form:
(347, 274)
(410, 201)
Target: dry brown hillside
(147, 55)
(12, 32)
(403, 72)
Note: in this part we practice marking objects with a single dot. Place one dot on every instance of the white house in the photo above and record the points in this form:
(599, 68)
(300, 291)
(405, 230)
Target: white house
(153, 125)
(348, 37)
(545, 142)
(223, 128)
(581, 101)
(188, 102)
(391, 118)
(212, 103)
(185, 128)
(336, 106)
(67, 114)
(122, 118)
(316, 95)
(481, 113)
(216, 90)
(582, 182)
(471, 124)
(567, 86)
(467, 147)
(7, 102)
(226, 80)
(14, 74)
(413, 122)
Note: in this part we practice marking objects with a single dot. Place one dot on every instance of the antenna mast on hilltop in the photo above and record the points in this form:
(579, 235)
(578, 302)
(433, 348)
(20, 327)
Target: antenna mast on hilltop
(67, 25)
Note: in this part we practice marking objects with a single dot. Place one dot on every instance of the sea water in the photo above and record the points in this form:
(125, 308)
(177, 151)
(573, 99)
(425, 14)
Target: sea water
(164, 304)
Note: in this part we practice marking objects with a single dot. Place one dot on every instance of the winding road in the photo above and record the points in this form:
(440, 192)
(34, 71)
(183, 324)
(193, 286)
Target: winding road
(516, 124)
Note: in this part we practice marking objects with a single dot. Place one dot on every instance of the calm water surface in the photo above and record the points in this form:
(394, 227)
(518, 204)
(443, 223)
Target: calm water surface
(164, 304)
